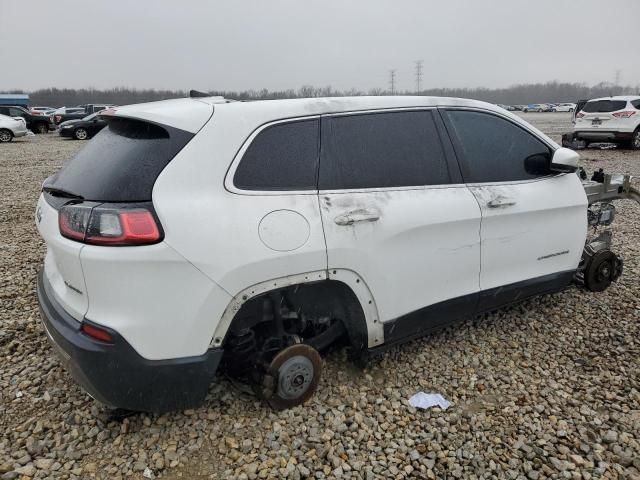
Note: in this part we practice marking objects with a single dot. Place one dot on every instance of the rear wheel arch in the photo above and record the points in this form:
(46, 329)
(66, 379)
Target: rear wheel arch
(341, 293)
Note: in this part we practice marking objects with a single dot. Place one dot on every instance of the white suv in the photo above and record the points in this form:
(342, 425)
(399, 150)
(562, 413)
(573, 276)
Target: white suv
(194, 233)
(610, 119)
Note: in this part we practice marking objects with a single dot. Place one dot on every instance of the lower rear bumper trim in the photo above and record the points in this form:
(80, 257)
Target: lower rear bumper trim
(115, 374)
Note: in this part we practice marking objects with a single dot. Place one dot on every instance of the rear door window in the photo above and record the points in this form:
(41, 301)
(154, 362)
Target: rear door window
(382, 150)
(122, 162)
(281, 157)
(636, 104)
(604, 106)
(493, 149)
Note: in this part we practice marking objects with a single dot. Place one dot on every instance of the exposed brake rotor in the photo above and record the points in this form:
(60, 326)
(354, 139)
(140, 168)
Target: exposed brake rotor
(292, 376)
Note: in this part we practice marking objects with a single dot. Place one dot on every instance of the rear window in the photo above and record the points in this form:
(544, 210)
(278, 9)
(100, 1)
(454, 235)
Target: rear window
(636, 104)
(122, 162)
(604, 106)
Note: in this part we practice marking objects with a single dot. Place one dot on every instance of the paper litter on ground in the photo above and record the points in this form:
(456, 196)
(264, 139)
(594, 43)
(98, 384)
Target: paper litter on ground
(428, 400)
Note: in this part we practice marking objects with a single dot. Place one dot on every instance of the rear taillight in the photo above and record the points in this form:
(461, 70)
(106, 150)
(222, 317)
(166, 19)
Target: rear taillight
(579, 115)
(107, 225)
(96, 333)
(36, 113)
(57, 118)
(624, 114)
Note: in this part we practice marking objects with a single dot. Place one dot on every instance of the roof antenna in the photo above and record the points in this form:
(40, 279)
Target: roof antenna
(197, 94)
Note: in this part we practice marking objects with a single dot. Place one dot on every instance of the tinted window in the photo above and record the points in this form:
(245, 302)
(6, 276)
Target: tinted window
(636, 104)
(496, 150)
(281, 157)
(122, 162)
(16, 112)
(604, 106)
(395, 149)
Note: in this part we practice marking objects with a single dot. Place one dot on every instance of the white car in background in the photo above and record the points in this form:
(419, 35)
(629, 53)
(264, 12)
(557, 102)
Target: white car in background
(564, 107)
(610, 119)
(11, 127)
(42, 110)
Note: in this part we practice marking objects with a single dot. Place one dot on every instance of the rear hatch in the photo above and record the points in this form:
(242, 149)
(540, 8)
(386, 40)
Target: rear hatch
(603, 114)
(114, 172)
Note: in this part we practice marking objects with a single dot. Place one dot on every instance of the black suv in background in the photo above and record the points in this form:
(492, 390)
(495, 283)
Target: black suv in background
(35, 123)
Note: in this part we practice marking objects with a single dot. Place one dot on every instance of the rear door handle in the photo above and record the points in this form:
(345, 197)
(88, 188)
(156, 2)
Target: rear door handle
(355, 216)
(501, 202)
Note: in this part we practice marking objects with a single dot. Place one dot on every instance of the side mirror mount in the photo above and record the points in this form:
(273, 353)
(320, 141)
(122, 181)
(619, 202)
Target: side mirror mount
(564, 160)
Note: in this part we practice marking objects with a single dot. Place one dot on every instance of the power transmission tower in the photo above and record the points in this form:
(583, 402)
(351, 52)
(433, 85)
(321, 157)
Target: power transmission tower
(418, 76)
(392, 81)
(618, 75)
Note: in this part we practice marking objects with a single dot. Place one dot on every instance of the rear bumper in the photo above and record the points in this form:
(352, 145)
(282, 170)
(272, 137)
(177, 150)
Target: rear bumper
(115, 374)
(603, 135)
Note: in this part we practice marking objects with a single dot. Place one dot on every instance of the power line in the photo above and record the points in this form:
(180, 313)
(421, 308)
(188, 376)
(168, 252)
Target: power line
(392, 81)
(418, 76)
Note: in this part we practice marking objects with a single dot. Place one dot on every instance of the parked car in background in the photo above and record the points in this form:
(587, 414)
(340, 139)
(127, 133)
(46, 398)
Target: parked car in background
(535, 107)
(42, 110)
(64, 110)
(564, 107)
(83, 111)
(579, 106)
(11, 127)
(327, 201)
(36, 123)
(518, 108)
(82, 129)
(610, 119)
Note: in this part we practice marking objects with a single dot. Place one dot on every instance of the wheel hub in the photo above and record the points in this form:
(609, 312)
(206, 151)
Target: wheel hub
(296, 372)
(295, 376)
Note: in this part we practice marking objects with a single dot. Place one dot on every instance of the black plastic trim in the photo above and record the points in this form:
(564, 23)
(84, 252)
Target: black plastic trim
(118, 376)
(439, 315)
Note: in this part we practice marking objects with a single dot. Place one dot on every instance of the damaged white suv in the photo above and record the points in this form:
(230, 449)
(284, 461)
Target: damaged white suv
(197, 233)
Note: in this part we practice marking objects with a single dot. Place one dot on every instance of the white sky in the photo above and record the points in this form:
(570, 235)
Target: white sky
(278, 44)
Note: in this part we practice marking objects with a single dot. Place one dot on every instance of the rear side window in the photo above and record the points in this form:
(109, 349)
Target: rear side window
(122, 162)
(492, 149)
(604, 106)
(636, 104)
(281, 157)
(378, 150)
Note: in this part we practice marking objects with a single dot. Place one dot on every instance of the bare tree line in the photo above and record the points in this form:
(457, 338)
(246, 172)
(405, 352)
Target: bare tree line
(516, 94)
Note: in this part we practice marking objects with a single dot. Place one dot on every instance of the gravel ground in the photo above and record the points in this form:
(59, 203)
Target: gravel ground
(546, 389)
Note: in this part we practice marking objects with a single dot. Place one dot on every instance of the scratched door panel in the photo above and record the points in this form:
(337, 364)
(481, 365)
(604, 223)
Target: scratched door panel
(413, 247)
(531, 228)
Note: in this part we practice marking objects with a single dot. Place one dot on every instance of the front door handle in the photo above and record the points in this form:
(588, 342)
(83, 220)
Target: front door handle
(355, 216)
(501, 202)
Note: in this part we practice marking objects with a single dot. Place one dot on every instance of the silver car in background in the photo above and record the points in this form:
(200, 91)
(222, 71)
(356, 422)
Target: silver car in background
(11, 127)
